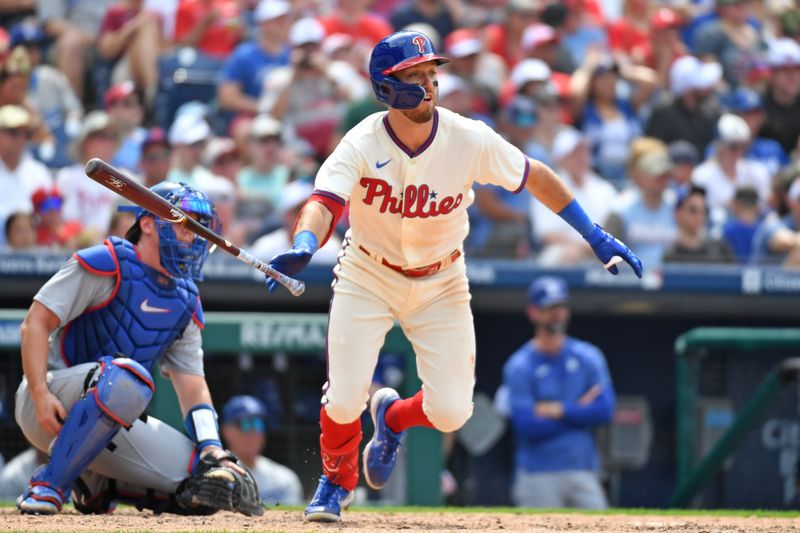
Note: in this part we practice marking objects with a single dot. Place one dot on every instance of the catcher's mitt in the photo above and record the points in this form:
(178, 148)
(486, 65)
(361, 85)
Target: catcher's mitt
(217, 486)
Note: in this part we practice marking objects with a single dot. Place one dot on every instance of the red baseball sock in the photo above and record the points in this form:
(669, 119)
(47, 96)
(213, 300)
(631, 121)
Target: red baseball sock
(334, 434)
(339, 449)
(407, 413)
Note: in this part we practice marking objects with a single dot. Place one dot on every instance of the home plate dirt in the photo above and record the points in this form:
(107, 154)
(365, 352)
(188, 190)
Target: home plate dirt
(130, 520)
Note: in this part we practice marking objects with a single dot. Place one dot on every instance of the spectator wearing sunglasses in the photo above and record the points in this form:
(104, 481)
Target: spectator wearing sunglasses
(122, 104)
(51, 230)
(86, 201)
(20, 174)
(243, 431)
(693, 244)
(154, 160)
(266, 176)
(728, 169)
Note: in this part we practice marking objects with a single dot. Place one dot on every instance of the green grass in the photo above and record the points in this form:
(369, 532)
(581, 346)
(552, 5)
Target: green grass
(761, 513)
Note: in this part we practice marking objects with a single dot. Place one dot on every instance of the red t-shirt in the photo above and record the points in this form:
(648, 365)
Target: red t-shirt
(369, 28)
(622, 35)
(116, 17)
(222, 36)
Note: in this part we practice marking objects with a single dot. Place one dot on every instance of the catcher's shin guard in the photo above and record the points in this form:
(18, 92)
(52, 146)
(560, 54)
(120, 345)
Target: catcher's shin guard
(122, 391)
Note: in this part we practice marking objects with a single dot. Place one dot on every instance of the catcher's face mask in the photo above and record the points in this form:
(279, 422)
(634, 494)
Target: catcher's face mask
(181, 258)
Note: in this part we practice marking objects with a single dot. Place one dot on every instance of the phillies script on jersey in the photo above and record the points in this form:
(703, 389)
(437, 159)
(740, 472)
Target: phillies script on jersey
(411, 203)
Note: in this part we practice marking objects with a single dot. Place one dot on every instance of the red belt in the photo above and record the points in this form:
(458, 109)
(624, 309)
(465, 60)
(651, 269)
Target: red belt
(419, 272)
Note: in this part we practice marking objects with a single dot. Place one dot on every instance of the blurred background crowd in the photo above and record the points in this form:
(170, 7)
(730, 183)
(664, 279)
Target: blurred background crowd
(676, 122)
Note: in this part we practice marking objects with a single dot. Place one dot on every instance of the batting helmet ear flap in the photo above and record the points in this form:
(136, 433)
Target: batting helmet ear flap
(400, 50)
(397, 94)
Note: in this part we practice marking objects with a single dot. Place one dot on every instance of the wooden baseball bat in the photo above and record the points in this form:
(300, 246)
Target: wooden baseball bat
(124, 185)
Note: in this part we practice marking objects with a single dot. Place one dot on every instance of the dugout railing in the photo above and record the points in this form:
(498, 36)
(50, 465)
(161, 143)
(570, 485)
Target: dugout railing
(293, 335)
(695, 473)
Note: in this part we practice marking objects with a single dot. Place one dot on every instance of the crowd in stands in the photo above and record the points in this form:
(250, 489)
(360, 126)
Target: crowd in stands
(676, 122)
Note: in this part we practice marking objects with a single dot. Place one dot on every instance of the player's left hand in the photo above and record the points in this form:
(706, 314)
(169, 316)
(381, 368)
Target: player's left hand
(289, 262)
(222, 457)
(611, 251)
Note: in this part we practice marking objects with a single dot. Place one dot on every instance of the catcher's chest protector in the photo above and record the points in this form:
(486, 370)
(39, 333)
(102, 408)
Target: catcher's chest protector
(145, 313)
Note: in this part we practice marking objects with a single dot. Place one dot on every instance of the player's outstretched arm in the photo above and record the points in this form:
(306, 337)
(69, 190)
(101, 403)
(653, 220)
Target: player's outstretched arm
(548, 188)
(312, 227)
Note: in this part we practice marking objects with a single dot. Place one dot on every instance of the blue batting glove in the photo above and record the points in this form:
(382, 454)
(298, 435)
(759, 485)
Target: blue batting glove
(294, 260)
(611, 251)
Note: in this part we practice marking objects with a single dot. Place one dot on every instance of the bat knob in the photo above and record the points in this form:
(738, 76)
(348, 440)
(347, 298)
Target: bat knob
(92, 165)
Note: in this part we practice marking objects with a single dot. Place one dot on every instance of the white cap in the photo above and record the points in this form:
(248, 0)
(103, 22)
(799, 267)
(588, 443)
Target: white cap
(688, 73)
(538, 34)
(449, 83)
(14, 116)
(217, 147)
(530, 70)
(306, 30)
(294, 194)
(335, 42)
(567, 139)
(784, 52)
(264, 125)
(732, 129)
(462, 43)
(271, 9)
(220, 190)
(188, 129)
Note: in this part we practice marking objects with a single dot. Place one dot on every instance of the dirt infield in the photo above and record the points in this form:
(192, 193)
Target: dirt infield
(129, 520)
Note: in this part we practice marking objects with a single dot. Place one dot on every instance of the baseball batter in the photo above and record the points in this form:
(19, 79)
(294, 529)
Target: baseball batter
(407, 174)
(92, 338)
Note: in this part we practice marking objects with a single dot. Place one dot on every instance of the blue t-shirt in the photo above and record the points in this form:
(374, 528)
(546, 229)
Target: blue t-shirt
(739, 235)
(130, 150)
(531, 376)
(249, 64)
(761, 254)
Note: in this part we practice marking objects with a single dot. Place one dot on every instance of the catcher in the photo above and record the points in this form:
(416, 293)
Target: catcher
(90, 341)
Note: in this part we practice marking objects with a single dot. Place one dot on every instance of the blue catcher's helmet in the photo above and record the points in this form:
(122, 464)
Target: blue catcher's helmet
(183, 259)
(395, 52)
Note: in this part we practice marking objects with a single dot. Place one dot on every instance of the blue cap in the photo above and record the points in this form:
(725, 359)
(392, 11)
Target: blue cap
(548, 291)
(26, 32)
(744, 99)
(243, 406)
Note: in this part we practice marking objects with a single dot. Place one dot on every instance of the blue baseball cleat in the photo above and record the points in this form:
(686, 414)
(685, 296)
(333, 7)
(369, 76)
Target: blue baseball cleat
(328, 502)
(40, 499)
(380, 455)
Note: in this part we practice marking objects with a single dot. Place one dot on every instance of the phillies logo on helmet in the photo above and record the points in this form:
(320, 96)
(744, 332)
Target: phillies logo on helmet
(420, 42)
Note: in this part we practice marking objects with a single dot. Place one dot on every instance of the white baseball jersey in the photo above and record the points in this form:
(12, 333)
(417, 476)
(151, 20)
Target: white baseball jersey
(410, 207)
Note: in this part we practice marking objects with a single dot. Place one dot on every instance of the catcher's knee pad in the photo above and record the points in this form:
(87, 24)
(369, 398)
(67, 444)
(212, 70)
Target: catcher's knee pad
(447, 416)
(122, 390)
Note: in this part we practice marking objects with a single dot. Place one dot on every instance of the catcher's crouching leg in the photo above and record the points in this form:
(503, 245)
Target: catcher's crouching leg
(217, 486)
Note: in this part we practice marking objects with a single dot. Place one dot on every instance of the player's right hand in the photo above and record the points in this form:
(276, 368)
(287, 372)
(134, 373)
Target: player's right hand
(290, 263)
(296, 258)
(50, 414)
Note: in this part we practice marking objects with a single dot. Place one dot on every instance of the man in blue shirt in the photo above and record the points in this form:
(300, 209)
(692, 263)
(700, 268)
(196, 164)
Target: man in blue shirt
(243, 73)
(559, 390)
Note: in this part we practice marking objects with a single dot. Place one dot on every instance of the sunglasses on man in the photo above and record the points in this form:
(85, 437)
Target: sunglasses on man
(251, 423)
